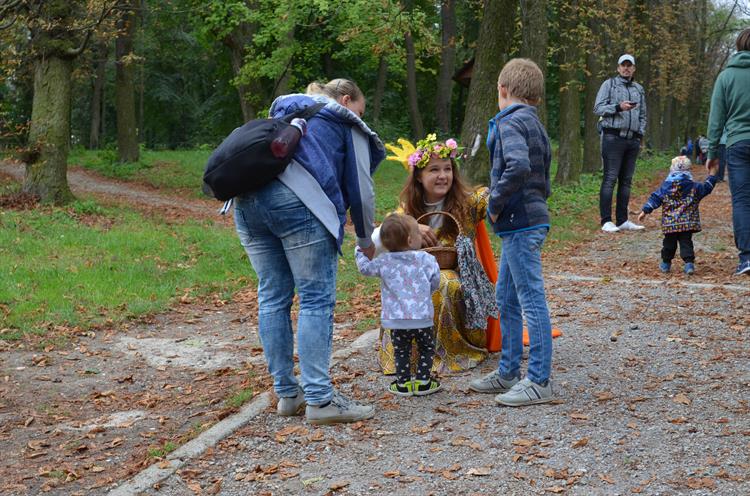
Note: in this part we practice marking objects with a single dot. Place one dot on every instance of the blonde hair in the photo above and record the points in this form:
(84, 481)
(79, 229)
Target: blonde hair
(336, 88)
(395, 231)
(523, 79)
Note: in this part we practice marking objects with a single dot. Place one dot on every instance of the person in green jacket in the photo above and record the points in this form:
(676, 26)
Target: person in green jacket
(730, 112)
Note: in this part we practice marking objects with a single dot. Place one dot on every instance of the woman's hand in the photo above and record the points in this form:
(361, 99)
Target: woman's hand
(429, 238)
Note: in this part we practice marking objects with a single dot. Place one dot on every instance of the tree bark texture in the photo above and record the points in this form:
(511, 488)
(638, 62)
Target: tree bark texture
(534, 40)
(127, 127)
(377, 99)
(236, 42)
(49, 133)
(592, 153)
(100, 54)
(415, 116)
(493, 48)
(447, 66)
(569, 161)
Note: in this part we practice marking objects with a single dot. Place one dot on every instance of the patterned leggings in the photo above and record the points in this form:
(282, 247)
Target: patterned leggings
(402, 344)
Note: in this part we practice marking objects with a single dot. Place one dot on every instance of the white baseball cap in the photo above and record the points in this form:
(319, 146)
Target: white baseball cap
(626, 57)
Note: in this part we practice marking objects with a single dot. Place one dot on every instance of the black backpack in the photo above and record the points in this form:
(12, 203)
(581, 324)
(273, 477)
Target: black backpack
(244, 162)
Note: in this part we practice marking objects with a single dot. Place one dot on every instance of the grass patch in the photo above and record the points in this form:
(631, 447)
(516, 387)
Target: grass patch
(166, 449)
(169, 170)
(86, 264)
(239, 398)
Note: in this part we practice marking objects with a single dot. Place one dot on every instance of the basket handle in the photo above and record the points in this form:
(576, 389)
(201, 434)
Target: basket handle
(441, 212)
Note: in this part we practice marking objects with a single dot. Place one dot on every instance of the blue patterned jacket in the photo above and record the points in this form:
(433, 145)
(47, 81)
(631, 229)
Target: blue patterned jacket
(679, 197)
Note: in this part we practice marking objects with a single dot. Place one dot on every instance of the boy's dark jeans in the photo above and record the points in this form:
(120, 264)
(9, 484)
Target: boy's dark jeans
(669, 247)
(618, 161)
(402, 345)
(721, 154)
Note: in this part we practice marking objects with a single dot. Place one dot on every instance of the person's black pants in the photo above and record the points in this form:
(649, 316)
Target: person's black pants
(402, 346)
(669, 247)
(618, 162)
(721, 154)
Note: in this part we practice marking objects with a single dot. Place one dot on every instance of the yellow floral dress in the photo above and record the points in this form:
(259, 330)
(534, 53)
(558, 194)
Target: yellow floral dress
(456, 348)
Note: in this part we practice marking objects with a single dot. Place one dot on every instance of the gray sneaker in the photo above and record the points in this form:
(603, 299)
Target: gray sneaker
(526, 393)
(289, 407)
(340, 410)
(492, 383)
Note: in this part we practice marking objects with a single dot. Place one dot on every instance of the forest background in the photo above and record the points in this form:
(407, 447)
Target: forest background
(124, 76)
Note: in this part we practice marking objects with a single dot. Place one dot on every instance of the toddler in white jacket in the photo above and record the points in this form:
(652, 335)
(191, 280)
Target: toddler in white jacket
(408, 277)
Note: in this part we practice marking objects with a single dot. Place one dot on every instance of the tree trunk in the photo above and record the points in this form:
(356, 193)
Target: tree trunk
(569, 154)
(493, 47)
(100, 54)
(127, 127)
(377, 100)
(282, 85)
(666, 125)
(49, 134)
(447, 66)
(235, 42)
(534, 40)
(592, 153)
(415, 117)
(653, 129)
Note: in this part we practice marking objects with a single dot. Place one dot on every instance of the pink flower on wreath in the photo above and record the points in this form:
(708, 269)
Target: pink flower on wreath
(451, 143)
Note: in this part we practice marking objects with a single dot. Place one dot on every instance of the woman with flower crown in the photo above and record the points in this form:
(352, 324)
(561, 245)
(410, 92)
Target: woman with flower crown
(435, 184)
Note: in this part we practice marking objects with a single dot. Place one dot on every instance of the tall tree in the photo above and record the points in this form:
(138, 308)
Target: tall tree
(101, 52)
(447, 66)
(59, 31)
(415, 116)
(592, 160)
(127, 127)
(569, 161)
(492, 52)
(534, 40)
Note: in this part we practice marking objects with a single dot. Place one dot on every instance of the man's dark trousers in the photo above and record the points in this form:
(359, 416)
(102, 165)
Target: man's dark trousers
(618, 161)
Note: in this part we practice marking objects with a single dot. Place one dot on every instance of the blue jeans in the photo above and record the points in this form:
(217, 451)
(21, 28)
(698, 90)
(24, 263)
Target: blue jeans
(738, 166)
(721, 154)
(519, 292)
(289, 248)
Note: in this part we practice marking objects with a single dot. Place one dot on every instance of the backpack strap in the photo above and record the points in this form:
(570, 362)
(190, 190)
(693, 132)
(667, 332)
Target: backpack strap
(305, 113)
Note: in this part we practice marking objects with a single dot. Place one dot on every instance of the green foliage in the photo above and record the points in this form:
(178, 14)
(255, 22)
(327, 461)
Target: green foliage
(88, 264)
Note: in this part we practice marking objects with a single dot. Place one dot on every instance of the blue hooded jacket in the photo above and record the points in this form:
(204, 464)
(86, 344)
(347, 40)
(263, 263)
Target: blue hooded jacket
(332, 168)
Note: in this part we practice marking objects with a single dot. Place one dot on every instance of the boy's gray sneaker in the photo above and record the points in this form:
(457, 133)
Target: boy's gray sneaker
(525, 393)
(289, 407)
(339, 410)
(492, 383)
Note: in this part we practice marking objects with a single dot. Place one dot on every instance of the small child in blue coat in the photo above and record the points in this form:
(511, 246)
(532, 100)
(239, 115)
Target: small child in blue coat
(408, 277)
(679, 197)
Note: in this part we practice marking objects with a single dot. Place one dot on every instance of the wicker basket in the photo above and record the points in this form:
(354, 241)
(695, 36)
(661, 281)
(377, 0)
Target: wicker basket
(446, 256)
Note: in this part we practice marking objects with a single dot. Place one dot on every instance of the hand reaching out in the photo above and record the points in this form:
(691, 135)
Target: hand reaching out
(642, 216)
(712, 166)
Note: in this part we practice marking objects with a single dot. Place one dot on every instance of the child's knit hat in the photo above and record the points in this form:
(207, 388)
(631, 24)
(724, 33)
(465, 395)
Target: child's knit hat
(680, 164)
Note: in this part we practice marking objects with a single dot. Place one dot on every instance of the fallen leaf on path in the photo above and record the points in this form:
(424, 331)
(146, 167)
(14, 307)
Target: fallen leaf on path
(581, 443)
(336, 486)
(681, 398)
(606, 478)
(479, 471)
(392, 473)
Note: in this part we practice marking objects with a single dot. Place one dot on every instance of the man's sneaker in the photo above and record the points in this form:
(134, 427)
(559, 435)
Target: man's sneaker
(339, 410)
(289, 407)
(423, 388)
(665, 267)
(493, 383)
(743, 268)
(610, 227)
(525, 393)
(689, 268)
(401, 388)
(630, 226)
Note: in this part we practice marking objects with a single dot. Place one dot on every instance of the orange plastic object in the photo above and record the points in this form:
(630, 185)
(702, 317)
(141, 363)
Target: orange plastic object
(487, 259)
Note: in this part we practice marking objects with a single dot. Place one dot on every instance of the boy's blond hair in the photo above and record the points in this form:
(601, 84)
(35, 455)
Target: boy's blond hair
(523, 79)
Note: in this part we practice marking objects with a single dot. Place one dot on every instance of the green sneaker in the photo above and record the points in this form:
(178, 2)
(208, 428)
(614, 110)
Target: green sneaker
(402, 388)
(423, 388)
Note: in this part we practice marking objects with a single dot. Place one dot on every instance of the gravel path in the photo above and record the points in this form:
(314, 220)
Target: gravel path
(651, 378)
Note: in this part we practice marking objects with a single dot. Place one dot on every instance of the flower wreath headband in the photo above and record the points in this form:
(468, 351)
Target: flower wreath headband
(411, 157)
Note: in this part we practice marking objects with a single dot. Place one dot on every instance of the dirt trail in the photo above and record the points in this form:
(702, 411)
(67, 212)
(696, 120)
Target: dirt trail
(651, 379)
